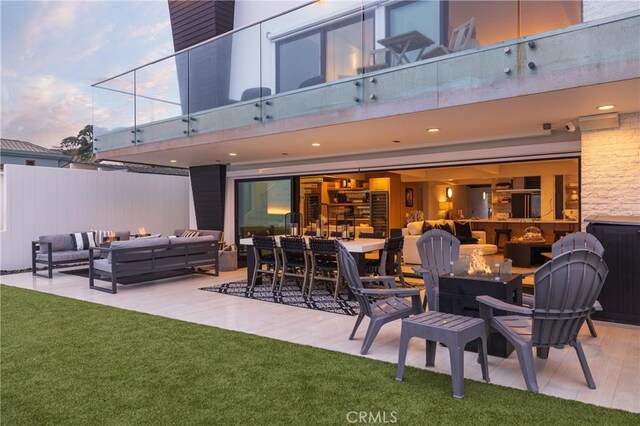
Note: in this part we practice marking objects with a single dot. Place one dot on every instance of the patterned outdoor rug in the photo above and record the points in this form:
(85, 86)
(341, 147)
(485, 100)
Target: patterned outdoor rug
(321, 299)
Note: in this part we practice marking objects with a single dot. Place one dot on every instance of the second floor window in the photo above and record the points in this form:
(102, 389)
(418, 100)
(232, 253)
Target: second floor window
(324, 54)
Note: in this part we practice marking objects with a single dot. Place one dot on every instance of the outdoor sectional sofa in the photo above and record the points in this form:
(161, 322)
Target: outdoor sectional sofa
(56, 249)
(413, 232)
(147, 259)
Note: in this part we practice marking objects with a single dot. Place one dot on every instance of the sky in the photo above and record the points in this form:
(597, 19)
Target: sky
(53, 51)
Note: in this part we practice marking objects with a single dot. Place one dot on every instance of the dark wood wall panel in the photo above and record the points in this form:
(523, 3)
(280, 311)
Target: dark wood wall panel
(208, 184)
(194, 21)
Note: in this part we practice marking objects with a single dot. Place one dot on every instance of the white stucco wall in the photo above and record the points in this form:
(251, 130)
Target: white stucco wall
(611, 170)
(45, 200)
(597, 9)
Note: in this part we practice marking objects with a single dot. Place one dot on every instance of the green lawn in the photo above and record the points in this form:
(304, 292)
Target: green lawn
(69, 362)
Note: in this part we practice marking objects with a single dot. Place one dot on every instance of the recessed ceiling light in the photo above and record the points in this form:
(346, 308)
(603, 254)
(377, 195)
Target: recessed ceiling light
(233, 154)
(433, 130)
(605, 107)
(173, 161)
(315, 144)
(395, 141)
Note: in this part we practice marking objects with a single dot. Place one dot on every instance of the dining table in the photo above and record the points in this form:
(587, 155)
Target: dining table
(357, 247)
(400, 44)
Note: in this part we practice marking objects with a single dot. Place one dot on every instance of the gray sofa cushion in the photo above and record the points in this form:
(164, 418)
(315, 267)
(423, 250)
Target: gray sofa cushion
(64, 255)
(138, 243)
(102, 265)
(178, 241)
(59, 242)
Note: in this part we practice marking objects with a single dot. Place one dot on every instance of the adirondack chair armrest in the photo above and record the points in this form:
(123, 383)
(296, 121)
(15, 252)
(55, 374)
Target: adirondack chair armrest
(388, 281)
(528, 300)
(391, 292)
(499, 304)
(420, 270)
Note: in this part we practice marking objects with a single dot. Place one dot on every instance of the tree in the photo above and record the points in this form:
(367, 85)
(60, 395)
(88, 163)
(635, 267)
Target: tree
(80, 147)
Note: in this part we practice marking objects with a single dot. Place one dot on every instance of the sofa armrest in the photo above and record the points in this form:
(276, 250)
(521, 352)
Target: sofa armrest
(480, 235)
(405, 232)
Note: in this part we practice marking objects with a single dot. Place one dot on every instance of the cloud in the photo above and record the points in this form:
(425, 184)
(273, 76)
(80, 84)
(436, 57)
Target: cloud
(47, 21)
(44, 109)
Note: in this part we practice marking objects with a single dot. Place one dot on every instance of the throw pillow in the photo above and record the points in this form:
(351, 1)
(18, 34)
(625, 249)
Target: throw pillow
(414, 228)
(444, 227)
(83, 240)
(463, 229)
(426, 227)
(189, 233)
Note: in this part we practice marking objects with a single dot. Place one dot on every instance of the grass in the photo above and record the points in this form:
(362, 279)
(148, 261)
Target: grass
(65, 361)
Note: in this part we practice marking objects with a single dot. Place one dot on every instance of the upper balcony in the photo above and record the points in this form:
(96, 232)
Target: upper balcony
(334, 62)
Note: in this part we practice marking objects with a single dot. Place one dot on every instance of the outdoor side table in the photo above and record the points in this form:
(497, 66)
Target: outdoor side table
(454, 331)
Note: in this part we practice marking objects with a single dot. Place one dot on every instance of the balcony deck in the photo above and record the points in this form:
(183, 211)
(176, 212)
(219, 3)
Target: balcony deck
(520, 83)
(614, 356)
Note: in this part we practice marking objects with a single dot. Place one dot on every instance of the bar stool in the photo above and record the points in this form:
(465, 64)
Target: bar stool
(503, 231)
(559, 234)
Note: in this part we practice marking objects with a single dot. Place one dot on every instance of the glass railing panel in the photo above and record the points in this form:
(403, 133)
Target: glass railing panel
(404, 83)
(484, 75)
(224, 82)
(161, 99)
(113, 112)
(542, 16)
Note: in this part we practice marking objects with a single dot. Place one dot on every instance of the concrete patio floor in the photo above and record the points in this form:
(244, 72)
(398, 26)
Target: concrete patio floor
(614, 356)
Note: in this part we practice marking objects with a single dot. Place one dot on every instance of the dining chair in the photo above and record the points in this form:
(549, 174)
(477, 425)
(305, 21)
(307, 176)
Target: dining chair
(295, 262)
(324, 264)
(437, 250)
(566, 290)
(390, 261)
(265, 254)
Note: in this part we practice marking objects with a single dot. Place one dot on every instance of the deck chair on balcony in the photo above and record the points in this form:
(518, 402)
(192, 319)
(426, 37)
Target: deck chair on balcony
(437, 249)
(389, 303)
(377, 60)
(577, 240)
(566, 289)
(462, 37)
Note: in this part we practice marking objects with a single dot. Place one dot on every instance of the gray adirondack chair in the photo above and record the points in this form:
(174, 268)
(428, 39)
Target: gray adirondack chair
(437, 249)
(577, 240)
(390, 262)
(566, 289)
(382, 309)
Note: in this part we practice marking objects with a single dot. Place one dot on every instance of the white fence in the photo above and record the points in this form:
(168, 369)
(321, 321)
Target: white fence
(46, 200)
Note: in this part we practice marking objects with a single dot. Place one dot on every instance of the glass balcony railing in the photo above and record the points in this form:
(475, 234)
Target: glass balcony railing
(315, 59)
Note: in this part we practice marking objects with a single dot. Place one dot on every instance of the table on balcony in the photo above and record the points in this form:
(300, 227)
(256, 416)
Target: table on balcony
(400, 44)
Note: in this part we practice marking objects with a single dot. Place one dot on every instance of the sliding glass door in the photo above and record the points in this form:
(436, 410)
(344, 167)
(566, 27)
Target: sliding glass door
(261, 206)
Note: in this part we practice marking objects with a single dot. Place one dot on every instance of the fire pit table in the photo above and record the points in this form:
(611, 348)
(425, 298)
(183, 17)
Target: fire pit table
(458, 293)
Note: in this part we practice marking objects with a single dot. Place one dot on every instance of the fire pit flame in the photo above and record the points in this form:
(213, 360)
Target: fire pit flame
(478, 266)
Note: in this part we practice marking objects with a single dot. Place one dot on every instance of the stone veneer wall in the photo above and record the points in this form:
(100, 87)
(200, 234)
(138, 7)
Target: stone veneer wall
(597, 9)
(611, 169)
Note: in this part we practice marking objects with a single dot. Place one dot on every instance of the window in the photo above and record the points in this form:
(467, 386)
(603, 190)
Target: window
(30, 162)
(324, 54)
(425, 16)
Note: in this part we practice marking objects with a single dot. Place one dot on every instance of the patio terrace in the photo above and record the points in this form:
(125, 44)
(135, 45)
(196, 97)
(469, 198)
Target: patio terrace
(614, 356)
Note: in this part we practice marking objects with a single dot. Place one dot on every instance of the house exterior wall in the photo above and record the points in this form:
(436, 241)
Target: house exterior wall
(44, 200)
(611, 170)
(598, 9)
(21, 159)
